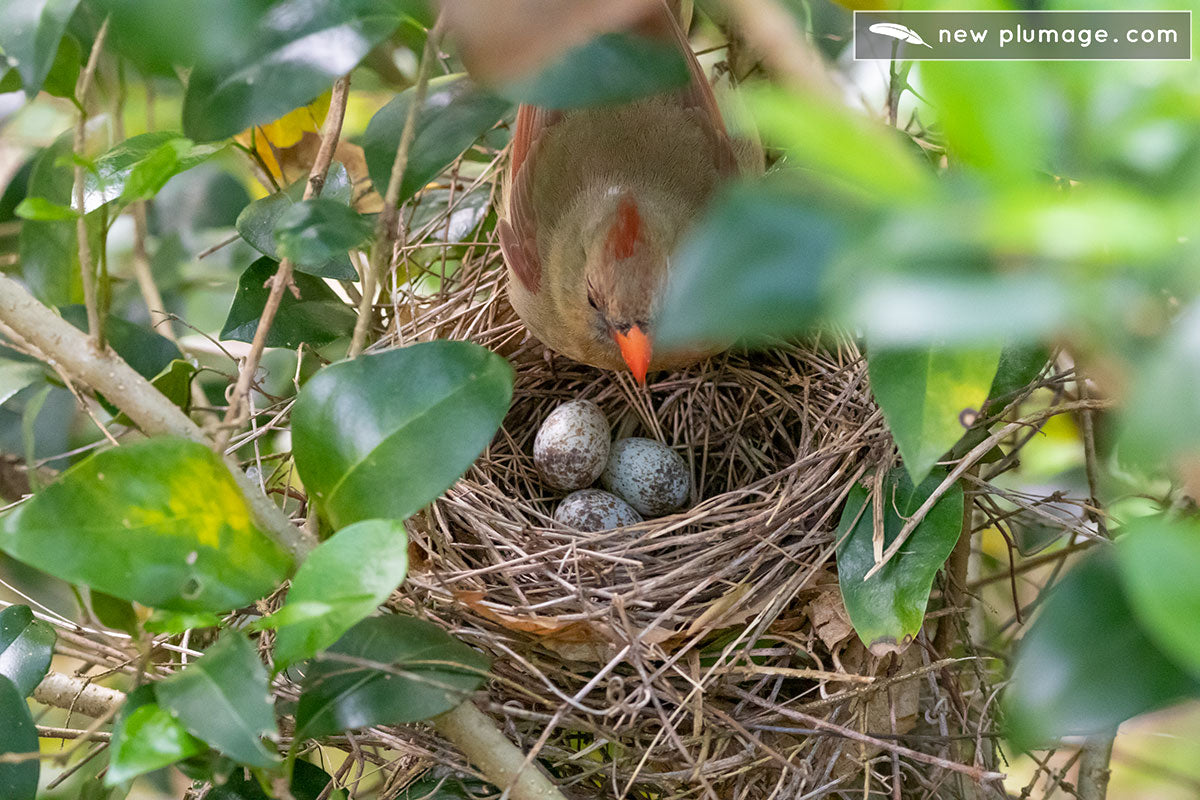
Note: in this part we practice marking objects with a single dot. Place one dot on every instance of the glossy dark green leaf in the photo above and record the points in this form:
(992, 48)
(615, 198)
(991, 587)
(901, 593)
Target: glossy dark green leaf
(314, 232)
(30, 36)
(1085, 665)
(224, 698)
(138, 167)
(146, 737)
(174, 382)
(1019, 366)
(147, 352)
(751, 268)
(888, 609)
(611, 68)
(308, 782)
(64, 72)
(257, 222)
(318, 317)
(446, 788)
(301, 48)
(382, 435)
(158, 36)
(929, 396)
(26, 647)
(421, 671)
(159, 522)
(455, 114)
(339, 584)
(1159, 560)
(18, 780)
(49, 249)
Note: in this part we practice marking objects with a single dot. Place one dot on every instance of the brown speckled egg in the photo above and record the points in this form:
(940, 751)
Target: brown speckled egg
(650, 476)
(592, 510)
(571, 447)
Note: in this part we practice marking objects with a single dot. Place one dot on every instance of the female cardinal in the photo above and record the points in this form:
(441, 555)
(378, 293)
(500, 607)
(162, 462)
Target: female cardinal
(596, 200)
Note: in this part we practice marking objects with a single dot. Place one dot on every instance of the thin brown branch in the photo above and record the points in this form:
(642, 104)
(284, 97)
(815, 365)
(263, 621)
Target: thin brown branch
(772, 30)
(282, 280)
(107, 373)
(385, 226)
(87, 271)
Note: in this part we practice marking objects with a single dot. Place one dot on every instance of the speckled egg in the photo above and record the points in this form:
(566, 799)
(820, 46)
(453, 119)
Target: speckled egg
(592, 510)
(650, 476)
(572, 445)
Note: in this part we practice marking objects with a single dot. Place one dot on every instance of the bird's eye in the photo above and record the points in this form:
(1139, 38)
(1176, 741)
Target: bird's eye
(591, 298)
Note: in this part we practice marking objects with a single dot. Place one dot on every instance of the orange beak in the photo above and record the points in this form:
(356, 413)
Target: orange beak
(635, 349)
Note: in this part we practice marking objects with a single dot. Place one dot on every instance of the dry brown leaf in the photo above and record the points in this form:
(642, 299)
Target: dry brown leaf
(501, 40)
(829, 619)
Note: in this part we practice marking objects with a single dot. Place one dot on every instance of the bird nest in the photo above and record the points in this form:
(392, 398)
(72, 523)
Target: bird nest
(705, 653)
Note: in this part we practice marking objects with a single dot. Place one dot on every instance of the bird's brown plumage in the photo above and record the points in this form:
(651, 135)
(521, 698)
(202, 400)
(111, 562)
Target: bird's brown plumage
(596, 200)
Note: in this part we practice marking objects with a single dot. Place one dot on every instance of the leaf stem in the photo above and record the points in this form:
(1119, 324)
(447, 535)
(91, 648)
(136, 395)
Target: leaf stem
(282, 280)
(87, 270)
(387, 224)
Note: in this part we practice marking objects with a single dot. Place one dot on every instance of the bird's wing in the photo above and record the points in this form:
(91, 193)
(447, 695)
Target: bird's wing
(517, 232)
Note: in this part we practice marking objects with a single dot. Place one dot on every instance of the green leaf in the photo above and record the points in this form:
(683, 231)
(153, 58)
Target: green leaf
(113, 612)
(1160, 424)
(314, 232)
(146, 737)
(301, 47)
(224, 698)
(887, 609)
(159, 36)
(1159, 560)
(1005, 138)
(446, 787)
(16, 375)
(176, 622)
(828, 138)
(41, 209)
(342, 581)
(421, 672)
(382, 435)
(1019, 366)
(30, 36)
(923, 393)
(159, 522)
(138, 167)
(18, 780)
(174, 383)
(611, 68)
(64, 72)
(257, 221)
(1085, 665)
(49, 249)
(752, 268)
(308, 782)
(26, 647)
(147, 352)
(318, 317)
(456, 113)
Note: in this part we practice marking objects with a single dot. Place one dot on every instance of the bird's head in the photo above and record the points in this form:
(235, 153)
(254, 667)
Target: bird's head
(626, 267)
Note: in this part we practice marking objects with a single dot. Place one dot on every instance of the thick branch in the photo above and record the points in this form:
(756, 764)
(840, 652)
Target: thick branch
(78, 695)
(477, 736)
(282, 280)
(106, 372)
